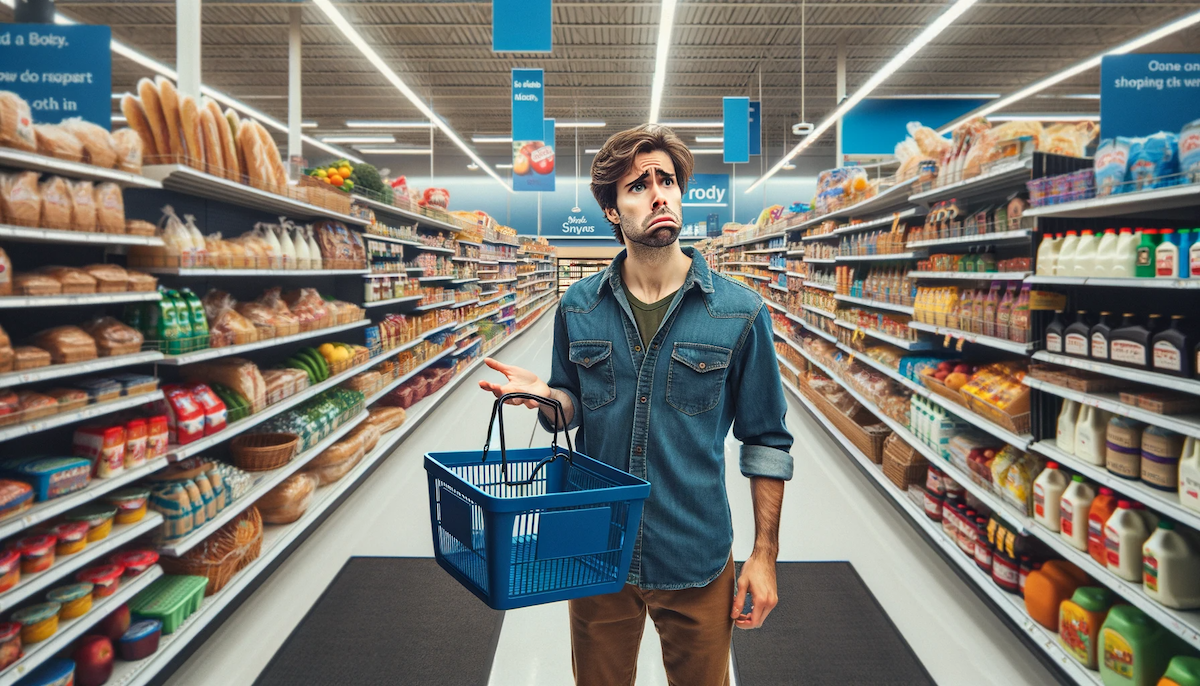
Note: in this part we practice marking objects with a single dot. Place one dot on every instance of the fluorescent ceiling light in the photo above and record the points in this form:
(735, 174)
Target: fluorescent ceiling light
(491, 139)
(365, 124)
(693, 124)
(938, 96)
(1069, 96)
(361, 138)
(1180, 24)
(558, 124)
(1044, 117)
(373, 57)
(308, 124)
(666, 21)
(929, 33)
(394, 151)
(591, 151)
(707, 151)
(473, 167)
(710, 139)
(503, 166)
(788, 167)
(118, 119)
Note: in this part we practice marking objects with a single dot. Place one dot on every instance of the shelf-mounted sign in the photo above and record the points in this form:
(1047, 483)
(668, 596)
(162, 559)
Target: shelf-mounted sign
(521, 26)
(1141, 94)
(61, 71)
(737, 130)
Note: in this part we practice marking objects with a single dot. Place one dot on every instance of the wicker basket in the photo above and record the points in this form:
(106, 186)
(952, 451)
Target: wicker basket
(942, 389)
(222, 555)
(902, 464)
(861, 428)
(264, 452)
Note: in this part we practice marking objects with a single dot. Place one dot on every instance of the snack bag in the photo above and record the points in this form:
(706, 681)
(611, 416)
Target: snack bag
(1153, 161)
(1189, 151)
(157, 436)
(1112, 159)
(185, 417)
(214, 408)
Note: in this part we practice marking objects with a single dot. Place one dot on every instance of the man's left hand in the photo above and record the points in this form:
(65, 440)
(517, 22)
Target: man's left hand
(757, 579)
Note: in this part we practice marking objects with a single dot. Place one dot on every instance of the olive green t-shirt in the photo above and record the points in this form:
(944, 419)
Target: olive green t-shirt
(648, 317)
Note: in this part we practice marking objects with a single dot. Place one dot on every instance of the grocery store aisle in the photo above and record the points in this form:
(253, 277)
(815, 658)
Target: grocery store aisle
(831, 512)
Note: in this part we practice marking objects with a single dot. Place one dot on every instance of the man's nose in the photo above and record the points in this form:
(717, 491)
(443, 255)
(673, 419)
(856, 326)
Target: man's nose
(658, 197)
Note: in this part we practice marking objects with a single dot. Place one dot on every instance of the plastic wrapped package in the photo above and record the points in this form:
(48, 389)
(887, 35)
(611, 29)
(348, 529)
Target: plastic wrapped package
(369, 434)
(34, 405)
(331, 465)
(66, 344)
(238, 374)
(286, 321)
(56, 203)
(263, 318)
(73, 280)
(307, 305)
(21, 198)
(110, 278)
(35, 284)
(1153, 161)
(113, 337)
(386, 418)
(334, 240)
(1189, 152)
(55, 141)
(98, 148)
(128, 145)
(6, 277)
(226, 325)
(1068, 139)
(365, 382)
(16, 123)
(30, 357)
(110, 208)
(283, 383)
(83, 206)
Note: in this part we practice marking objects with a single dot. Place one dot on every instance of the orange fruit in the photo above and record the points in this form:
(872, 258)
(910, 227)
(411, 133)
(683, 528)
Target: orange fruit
(335, 179)
(345, 172)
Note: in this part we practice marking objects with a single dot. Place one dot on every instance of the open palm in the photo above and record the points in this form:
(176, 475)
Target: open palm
(518, 381)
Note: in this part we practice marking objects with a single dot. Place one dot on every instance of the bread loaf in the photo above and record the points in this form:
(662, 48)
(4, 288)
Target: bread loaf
(386, 418)
(56, 203)
(338, 452)
(20, 198)
(55, 141)
(156, 120)
(130, 148)
(369, 434)
(135, 116)
(66, 344)
(189, 113)
(229, 155)
(97, 142)
(110, 208)
(169, 97)
(6, 286)
(73, 280)
(273, 161)
(214, 151)
(288, 501)
(29, 357)
(83, 206)
(16, 123)
(235, 127)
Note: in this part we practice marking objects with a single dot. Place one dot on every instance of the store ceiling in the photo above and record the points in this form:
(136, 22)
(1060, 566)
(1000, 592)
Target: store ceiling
(603, 57)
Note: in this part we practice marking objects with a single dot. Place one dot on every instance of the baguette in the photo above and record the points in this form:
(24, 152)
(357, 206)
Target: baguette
(214, 155)
(190, 123)
(157, 120)
(273, 161)
(251, 147)
(229, 153)
(169, 97)
(135, 116)
(235, 127)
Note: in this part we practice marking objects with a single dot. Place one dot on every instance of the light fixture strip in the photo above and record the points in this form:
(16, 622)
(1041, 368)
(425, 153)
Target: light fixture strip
(373, 57)
(927, 34)
(366, 124)
(666, 22)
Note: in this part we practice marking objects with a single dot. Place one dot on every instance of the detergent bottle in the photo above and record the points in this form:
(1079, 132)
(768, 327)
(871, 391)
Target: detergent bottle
(1124, 534)
(1184, 670)
(1171, 568)
(1073, 512)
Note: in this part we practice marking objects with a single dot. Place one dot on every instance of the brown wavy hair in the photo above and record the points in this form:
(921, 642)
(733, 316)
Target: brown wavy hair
(616, 158)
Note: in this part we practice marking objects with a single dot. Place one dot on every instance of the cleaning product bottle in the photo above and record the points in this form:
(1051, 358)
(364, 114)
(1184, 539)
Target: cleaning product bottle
(1085, 254)
(1068, 417)
(1065, 264)
(1187, 238)
(1080, 619)
(1124, 533)
(1105, 252)
(1171, 568)
(1099, 336)
(1134, 649)
(1166, 255)
(1101, 510)
(1091, 432)
(1048, 587)
(1184, 670)
(1073, 512)
(1054, 333)
(1161, 449)
(1194, 255)
(1124, 261)
(1047, 254)
(1123, 447)
(1189, 474)
(1048, 490)
(1146, 253)
(1170, 349)
(1129, 344)
(1076, 341)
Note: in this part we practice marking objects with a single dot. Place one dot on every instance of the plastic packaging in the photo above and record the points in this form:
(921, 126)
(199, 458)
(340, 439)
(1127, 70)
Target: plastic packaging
(1106, 251)
(16, 123)
(74, 600)
(1124, 534)
(106, 578)
(1048, 587)
(1184, 670)
(1134, 649)
(1047, 254)
(1076, 501)
(10, 573)
(141, 640)
(38, 622)
(110, 208)
(1153, 161)
(10, 643)
(37, 552)
(99, 517)
(1171, 568)
(1161, 449)
(56, 203)
(1048, 489)
(1189, 474)
(98, 148)
(134, 562)
(51, 477)
(20, 198)
(112, 337)
(130, 503)
(1080, 619)
(314, 250)
(1124, 259)
(1090, 435)
(71, 537)
(1101, 510)
(1068, 417)
(66, 344)
(1065, 264)
(288, 501)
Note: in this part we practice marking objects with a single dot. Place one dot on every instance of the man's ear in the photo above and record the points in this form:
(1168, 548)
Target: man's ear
(612, 215)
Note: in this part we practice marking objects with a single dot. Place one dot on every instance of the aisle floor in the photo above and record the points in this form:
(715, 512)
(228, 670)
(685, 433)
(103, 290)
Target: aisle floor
(831, 512)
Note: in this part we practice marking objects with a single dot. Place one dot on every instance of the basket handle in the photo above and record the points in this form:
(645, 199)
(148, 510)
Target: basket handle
(560, 419)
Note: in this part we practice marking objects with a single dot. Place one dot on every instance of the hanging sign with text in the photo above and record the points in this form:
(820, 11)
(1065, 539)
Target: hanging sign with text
(521, 25)
(1141, 94)
(61, 71)
(737, 130)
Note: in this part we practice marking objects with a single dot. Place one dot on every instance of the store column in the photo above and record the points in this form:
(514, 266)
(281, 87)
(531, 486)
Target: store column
(295, 122)
(187, 47)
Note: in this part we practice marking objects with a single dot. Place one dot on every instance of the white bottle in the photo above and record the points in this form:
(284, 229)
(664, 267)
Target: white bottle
(1105, 253)
(1124, 534)
(287, 248)
(1189, 474)
(1085, 254)
(1194, 257)
(1047, 254)
(1171, 568)
(1073, 512)
(1091, 431)
(1166, 256)
(1065, 266)
(1150, 517)
(1048, 490)
(314, 250)
(301, 245)
(1068, 417)
(1124, 261)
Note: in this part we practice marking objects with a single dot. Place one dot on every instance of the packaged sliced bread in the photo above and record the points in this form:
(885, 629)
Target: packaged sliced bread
(56, 203)
(83, 206)
(66, 344)
(21, 198)
(110, 208)
(288, 501)
(130, 150)
(73, 280)
(6, 283)
(55, 141)
(16, 123)
(98, 148)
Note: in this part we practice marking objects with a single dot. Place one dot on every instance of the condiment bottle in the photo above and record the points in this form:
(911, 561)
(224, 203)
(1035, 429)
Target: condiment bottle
(1124, 533)
(1103, 507)
(1099, 336)
(1170, 349)
(1090, 435)
(1048, 490)
(1129, 344)
(1076, 337)
(1171, 568)
(1074, 512)
(983, 548)
(1054, 333)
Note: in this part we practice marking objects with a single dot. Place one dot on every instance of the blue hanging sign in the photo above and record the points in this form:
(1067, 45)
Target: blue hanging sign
(755, 127)
(875, 125)
(528, 113)
(533, 161)
(1141, 94)
(737, 130)
(61, 71)
(521, 26)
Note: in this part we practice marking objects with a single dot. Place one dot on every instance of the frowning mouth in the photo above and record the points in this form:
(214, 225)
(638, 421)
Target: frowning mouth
(654, 223)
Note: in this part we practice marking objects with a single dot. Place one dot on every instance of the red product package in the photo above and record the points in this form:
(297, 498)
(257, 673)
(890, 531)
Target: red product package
(137, 434)
(214, 408)
(157, 437)
(185, 417)
(104, 446)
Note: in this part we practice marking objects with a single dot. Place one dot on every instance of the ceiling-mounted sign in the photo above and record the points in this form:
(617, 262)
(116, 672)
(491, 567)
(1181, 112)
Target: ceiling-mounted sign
(755, 127)
(1141, 94)
(521, 26)
(533, 162)
(528, 113)
(737, 130)
(61, 71)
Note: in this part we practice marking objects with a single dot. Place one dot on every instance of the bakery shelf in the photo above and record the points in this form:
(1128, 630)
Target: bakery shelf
(26, 234)
(1131, 282)
(82, 414)
(421, 220)
(57, 371)
(971, 276)
(71, 629)
(65, 565)
(464, 303)
(16, 301)
(263, 482)
(977, 239)
(977, 339)
(894, 340)
(818, 284)
(393, 301)
(213, 271)
(434, 306)
(1002, 176)
(910, 255)
(185, 179)
(878, 223)
(1164, 502)
(21, 160)
(823, 313)
(820, 260)
(818, 237)
(212, 353)
(1134, 203)
(791, 344)
(877, 304)
(47, 509)
(392, 239)
(1152, 378)
(820, 332)
(790, 367)
(1187, 424)
(766, 251)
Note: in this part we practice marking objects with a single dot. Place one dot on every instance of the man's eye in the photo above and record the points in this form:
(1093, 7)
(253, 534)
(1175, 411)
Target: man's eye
(638, 187)
(668, 182)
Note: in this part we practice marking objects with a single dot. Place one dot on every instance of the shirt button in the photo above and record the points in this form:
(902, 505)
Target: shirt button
(643, 398)
(656, 346)
(637, 348)
(702, 365)
(587, 360)
(637, 450)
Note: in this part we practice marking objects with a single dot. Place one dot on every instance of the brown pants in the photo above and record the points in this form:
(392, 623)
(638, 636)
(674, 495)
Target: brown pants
(693, 625)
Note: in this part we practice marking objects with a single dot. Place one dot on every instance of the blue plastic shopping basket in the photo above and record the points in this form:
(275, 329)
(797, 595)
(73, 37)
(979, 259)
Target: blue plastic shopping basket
(539, 526)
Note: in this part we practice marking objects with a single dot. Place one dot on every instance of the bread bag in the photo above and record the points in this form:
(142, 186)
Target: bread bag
(73, 280)
(36, 284)
(110, 278)
(16, 123)
(66, 344)
(55, 141)
(97, 142)
(386, 418)
(29, 357)
(130, 150)
(6, 280)
(113, 337)
(83, 206)
(56, 203)
(288, 501)
(110, 208)
(140, 281)
(139, 227)
(20, 198)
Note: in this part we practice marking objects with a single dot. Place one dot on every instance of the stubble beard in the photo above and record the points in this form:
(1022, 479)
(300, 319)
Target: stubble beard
(641, 234)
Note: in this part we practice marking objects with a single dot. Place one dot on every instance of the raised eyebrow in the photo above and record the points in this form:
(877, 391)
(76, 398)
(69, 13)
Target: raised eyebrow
(638, 179)
(664, 174)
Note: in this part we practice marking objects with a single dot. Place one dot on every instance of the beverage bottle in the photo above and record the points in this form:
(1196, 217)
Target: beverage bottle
(1065, 265)
(1166, 255)
(1124, 534)
(1105, 252)
(1085, 254)
(1186, 241)
(196, 311)
(1073, 512)
(1189, 474)
(1048, 489)
(1047, 254)
(1146, 254)
(1194, 254)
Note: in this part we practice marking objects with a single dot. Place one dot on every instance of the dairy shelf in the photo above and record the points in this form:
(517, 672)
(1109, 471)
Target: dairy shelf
(910, 255)
(185, 179)
(213, 353)
(26, 234)
(877, 304)
(977, 339)
(971, 276)
(894, 340)
(1177, 383)
(999, 178)
(71, 629)
(1134, 203)
(213, 271)
(57, 371)
(85, 413)
(19, 159)
(19, 301)
(977, 239)
(1132, 282)
(818, 284)
(1186, 424)
(393, 301)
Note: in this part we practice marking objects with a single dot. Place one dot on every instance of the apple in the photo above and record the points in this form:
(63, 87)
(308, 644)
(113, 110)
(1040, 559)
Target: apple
(93, 660)
(945, 367)
(520, 164)
(940, 374)
(542, 160)
(963, 369)
(116, 624)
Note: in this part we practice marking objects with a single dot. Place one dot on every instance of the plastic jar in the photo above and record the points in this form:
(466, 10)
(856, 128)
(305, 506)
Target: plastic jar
(38, 622)
(10, 643)
(130, 504)
(99, 518)
(135, 561)
(37, 553)
(72, 537)
(10, 570)
(140, 640)
(74, 600)
(106, 579)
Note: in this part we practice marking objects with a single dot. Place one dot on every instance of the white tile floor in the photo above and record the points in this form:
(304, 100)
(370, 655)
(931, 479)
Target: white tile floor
(831, 512)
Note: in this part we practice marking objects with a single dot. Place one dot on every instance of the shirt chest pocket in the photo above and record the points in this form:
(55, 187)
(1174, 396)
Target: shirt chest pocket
(594, 363)
(696, 376)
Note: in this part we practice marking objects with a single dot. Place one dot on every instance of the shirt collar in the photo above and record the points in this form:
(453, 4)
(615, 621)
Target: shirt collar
(698, 275)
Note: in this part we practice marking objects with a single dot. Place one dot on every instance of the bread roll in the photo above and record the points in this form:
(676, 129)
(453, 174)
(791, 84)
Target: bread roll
(214, 151)
(55, 141)
(192, 137)
(135, 116)
(170, 107)
(157, 120)
(229, 153)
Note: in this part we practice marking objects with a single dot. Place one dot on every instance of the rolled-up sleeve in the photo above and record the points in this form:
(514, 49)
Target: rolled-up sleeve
(563, 374)
(759, 420)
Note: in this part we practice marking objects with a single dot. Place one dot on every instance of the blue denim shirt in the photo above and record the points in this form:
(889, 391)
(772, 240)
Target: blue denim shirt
(663, 413)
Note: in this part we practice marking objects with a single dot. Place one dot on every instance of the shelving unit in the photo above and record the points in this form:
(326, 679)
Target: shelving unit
(19, 159)
(25, 234)
(83, 414)
(58, 371)
(877, 304)
(1151, 378)
(213, 353)
(977, 339)
(87, 299)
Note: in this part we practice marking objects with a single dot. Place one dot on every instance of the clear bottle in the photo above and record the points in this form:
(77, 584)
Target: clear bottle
(1124, 534)
(1099, 338)
(1085, 254)
(1065, 265)
(1073, 512)
(1124, 261)
(1105, 252)
(1068, 417)
(1171, 568)
(1048, 489)
(1047, 254)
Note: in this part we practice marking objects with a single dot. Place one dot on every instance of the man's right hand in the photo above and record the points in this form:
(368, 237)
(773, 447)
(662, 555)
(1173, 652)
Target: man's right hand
(519, 381)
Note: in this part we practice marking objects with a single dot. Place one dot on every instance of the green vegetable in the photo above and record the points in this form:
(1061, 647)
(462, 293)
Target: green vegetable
(366, 177)
(317, 360)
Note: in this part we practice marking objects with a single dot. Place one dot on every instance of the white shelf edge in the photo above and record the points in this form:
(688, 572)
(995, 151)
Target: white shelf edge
(817, 310)
(213, 271)
(877, 304)
(1177, 383)
(977, 339)
(82, 414)
(898, 342)
(20, 159)
(1125, 282)
(213, 353)
(36, 235)
(818, 284)
(57, 371)
(997, 237)
(971, 276)
(19, 301)
(393, 301)
(910, 255)
(1177, 423)
(999, 175)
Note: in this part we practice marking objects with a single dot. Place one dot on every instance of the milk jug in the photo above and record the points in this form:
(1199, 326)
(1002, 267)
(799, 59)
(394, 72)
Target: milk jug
(1085, 254)
(1065, 265)
(1105, 253)
(1091, 432)
(1189, 474)
(1124, 261)
(1073, 512)
(1048, 490)
(1047, 254)
(1124, 534)
(1068, 417)
(1171, 568)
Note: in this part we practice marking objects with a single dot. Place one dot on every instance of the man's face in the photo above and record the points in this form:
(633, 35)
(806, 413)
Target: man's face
(649, 202)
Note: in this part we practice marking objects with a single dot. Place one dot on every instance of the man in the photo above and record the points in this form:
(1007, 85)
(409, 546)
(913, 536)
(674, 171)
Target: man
(654, 359)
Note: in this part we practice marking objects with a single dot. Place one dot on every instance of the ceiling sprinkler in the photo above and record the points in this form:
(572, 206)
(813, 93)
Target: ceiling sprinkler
(802, 129)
